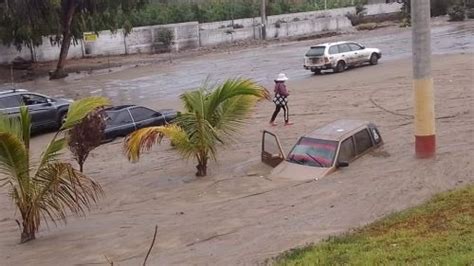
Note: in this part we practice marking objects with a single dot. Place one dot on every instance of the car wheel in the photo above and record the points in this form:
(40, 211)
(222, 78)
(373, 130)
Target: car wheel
(374, 59)
(340, 67)
(62, 118)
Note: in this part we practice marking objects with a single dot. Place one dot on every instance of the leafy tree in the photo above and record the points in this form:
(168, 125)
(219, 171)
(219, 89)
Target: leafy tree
(86, 136)
(49, 187)
(212, 117)
(25, 22)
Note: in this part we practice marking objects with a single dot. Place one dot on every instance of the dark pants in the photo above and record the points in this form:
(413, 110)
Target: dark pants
(285, 113)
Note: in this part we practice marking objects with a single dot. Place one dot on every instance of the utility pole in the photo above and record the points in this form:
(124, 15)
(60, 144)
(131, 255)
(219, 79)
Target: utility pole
(264, 19)
(425, 132)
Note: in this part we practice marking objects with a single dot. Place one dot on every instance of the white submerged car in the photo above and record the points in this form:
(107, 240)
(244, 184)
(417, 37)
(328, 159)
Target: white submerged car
(339, 56)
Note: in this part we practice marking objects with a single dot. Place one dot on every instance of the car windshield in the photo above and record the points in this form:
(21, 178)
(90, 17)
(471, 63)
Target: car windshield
(313, 152)
(316, 51)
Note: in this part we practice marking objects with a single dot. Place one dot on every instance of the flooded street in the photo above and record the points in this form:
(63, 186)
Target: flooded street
(165, 81)
(238, 215)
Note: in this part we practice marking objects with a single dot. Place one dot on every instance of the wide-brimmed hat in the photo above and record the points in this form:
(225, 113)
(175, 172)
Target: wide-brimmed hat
(281, 77)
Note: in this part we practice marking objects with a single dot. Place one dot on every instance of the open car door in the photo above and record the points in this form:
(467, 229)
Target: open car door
(272, 152)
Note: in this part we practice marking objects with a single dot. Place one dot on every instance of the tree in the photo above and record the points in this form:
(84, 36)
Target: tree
(26, 22)
(212, 117)
(86, 136)
(49, 187)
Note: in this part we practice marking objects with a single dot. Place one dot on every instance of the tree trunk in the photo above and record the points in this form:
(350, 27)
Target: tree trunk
(81, 167)
(28, 233)
(202, 166)
(66, 40)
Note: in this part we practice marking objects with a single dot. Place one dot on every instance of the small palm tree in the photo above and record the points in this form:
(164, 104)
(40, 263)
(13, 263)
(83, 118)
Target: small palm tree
(211, 117)
(49, 187)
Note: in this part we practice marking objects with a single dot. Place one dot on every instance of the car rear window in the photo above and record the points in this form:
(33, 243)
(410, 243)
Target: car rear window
(10, 101)
(141, 113)
(117, 118)
(316, 51)
(314, 152)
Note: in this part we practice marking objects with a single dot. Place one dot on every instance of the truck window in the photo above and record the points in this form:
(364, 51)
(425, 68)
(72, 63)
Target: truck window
(347, 152)
(363, 141)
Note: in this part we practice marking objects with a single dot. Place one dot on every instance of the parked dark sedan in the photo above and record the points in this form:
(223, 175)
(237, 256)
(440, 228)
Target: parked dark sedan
(123, 120)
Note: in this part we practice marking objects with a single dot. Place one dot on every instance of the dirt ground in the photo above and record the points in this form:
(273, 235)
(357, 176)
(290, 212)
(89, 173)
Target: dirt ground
(237, 215)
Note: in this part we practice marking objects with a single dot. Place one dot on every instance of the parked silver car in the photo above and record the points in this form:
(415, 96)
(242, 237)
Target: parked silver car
(339, 56)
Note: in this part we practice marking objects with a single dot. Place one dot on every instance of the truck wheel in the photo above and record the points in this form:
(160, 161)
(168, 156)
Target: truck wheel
(374, 59)
(340, 67)
(317, 71)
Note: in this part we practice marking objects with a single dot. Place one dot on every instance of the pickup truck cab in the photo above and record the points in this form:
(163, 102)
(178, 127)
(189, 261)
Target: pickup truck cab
(322, 151)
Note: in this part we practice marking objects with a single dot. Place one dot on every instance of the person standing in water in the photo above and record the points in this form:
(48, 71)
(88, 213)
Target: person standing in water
(281, 99)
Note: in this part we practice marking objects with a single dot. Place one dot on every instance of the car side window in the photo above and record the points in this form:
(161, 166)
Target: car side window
(344, 48)
(355, 47)
(333, 49)
(346, 152)
(117, 118)
(10, 101)
(375, 135)
(141, 113)
(32, 99)
(363, 141)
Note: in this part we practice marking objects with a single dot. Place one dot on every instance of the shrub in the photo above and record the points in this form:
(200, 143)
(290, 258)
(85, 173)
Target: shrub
(456, 13)
(470, 13)
(440, 7)
(86, 136)
(165, 36)
(367, 26)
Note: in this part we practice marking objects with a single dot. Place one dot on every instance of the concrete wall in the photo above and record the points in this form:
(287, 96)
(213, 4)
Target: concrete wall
(192, 34)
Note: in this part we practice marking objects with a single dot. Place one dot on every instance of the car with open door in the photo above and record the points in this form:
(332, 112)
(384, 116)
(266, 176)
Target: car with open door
(125, 119)
(322, 151)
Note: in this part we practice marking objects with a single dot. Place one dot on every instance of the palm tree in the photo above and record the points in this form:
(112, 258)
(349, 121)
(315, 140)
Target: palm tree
(49, 187)
(211, 117)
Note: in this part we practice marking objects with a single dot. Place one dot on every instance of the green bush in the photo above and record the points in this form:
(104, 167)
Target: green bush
(166, 12)
(470, 13)
(456, 13)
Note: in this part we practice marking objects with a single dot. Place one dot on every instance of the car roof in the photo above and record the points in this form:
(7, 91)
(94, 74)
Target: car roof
(119, 107)
(10, 92)
(338, 130)
(331, 43)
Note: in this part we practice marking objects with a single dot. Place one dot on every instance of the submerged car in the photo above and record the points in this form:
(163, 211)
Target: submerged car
(125, 119)
(46, 112)
(322, 151)
(339, 56)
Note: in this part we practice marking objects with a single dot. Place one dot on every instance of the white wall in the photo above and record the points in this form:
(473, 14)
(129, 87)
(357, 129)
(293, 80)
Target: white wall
(192, 34)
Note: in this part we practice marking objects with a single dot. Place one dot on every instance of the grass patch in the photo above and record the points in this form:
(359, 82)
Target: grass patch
(439, 232)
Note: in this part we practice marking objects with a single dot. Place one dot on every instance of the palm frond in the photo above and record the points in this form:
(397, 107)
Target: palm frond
(194, 101)
(144, 139)
(52, 152)
(60, 187)
(11, 125)
(25, 120)
(232, 88)
(81, 108)
(200, 132)
(13, 157)
(232, 114)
